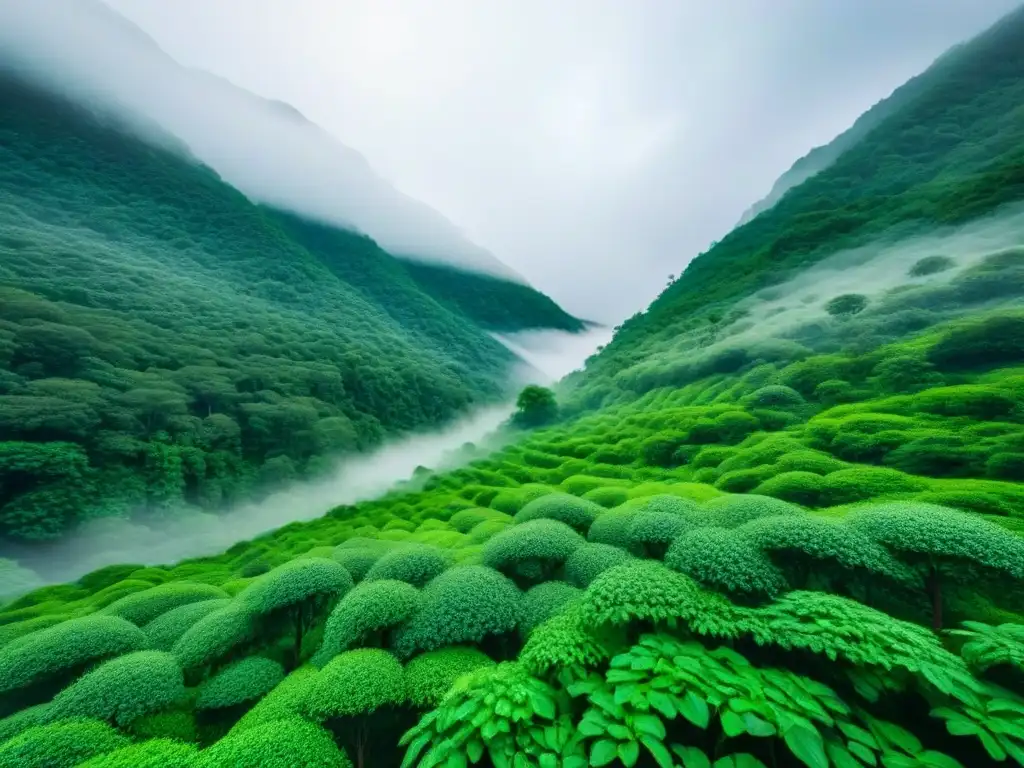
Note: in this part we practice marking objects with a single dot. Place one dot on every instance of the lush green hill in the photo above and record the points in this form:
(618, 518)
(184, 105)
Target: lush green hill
(163, 340)
(780, 524)
(951, 153)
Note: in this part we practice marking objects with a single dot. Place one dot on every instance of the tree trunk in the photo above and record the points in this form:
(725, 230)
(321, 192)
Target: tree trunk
(935, 588)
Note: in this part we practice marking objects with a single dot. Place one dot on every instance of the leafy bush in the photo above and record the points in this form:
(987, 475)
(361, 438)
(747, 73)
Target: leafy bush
(798, 487)
(1006, 466)
(463, 605)
(859, 483)
(931, 265)
(215, 636)
(466, 520)
(294, 583)
(123, 689)
(66, 648)
(608, 497)
(544, 601)
(355, 683)
(744, 480)
(532, 550)
(775, 396)
(512, 501)
(415, 564)
(430, 676)
(574, 512)
(142, 607)
(60, 745)
(245, 680)
(589, 561)
(372, 608)
(997, 340)
(163, 631)
(612, 528)
(847, 304)
(283, 743)
(726, 560)
(734, 510)
(156, 753)
(358, 560)
(652, 530)
(281, 703)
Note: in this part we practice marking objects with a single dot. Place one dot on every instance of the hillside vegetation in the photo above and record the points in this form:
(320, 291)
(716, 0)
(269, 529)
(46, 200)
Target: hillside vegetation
(779, 528)
(166, 343)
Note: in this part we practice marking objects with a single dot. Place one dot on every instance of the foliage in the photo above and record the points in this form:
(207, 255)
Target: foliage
(544, 601)
(575, 512)
(354, 683)
(415, 564)
(123, 689)
(60, 745)
(163, 631)
(531, 551)
(725, 560)
(591, 560)
(462, 605)
(140, 608)
(535, 407)
(154, 753)
(282, 743)
(371, 609)
(244, 680)
(430, 676)
(66, 647)
(214, 636)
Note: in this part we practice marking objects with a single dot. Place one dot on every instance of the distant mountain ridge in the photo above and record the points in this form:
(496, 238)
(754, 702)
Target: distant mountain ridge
(302, 168)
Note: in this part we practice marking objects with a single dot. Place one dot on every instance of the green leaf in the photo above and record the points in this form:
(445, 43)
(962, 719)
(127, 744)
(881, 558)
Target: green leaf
(691, 757)
(840, 756)
(603, 752)
(658, 751)
(456, 760)
(629, 753)
(732, 724)
(649, 724)
(756, 726)
(624, 693)
(902, 738)
(740, 760)
(475, 750)
(861, 752)
(934, 759)
(993, 747)
(663, 703)
(806, 744)
(694, 709)
(542, 705)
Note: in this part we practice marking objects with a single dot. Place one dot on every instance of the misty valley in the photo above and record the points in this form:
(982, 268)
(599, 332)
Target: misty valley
(294, 474)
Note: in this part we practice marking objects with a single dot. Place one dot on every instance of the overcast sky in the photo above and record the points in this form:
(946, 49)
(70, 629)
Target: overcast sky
(594, 145)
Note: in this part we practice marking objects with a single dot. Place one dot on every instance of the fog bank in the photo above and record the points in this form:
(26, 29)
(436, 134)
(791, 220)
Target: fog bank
(90, 54)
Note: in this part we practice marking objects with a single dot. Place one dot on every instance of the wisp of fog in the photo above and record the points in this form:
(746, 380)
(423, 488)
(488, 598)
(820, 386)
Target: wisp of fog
(269, 151)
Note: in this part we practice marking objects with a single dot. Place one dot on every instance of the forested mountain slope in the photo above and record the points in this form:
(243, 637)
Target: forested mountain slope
(165, 340)
(948, 155)
(778, 524)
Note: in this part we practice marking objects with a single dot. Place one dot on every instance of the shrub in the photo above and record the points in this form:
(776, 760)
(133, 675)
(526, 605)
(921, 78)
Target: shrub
(994, 341)
(533, 550)
(123, 689)
(372, 608)
(725, 560)
(574, 512)
(142, 607)
(466, 520)
(293, 583)
(860, 483)
(354, 683)
(612, 527)
(968, 501)
(430, 676)
(711, 456)
(214, 636)
(906, 373)
(651, 531)
(283, 702)
(542, 602)
(835, 391)
(775, 396)
(608, 497)
(284, 743)
(937, 455)
(415, 564)
(744, 480)
(358, 560)
(798, 487)
(512, 501)
(462, 605)
(165, 630)
(156, 753)
(930, 265)
(178, 724)
(734, 510)
(244, 680)
(589, 561)
(109, 575)
(977, 402)
(846, 305)
(660, 450)
(486, 530)
(1006, 466)
(809, 461)
(66, 648)
(60, 745)
(24, 719)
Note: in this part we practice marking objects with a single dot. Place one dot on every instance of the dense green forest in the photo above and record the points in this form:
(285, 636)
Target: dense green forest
(778, 522)
(166, 343)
